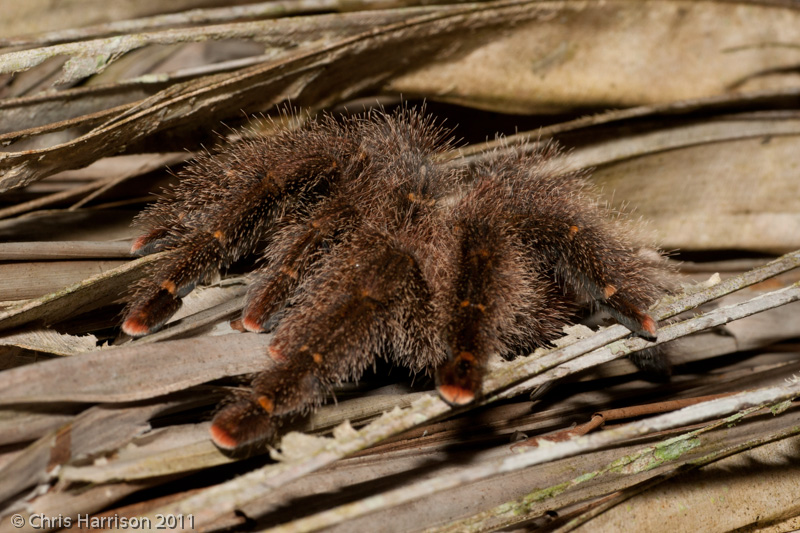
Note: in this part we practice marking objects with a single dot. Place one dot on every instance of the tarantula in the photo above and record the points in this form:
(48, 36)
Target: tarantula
(375, 247)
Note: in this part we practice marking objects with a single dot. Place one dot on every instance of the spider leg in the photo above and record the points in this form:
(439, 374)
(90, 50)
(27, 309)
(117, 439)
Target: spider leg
(168, 220)
(498, 301)
(594, 262)
(571, 234)
(241, 192)
(293, 251)
(523, 230)
(481, 267)
(324, 340)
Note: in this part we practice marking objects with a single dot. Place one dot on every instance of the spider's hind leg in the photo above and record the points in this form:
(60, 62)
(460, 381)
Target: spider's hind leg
(589, 253)
(592, 260)
(591, 257)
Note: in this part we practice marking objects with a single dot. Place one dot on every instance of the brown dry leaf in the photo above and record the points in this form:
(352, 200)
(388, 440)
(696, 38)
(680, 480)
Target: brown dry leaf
(99, 178)
(88, 294)
(625, 470)
(368, 59)
(87, 501)
(179, 449)
(619, 54)
(505, 39)
(135, 372)
(722, 496)
(707, 159)
(84, 107)
(91, 57)
(22, 281)
(24, 425)
(734, 195)
(48, 341)
(95, 431)
(65, 225)
(725, 184)
(41, 15)
(36, 251)
(122, 18)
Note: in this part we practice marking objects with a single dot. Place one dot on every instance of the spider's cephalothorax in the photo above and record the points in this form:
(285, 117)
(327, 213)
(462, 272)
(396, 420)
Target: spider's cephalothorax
(376, 247)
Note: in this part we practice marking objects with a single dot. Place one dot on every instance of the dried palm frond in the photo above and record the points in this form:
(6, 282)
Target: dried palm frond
(687, 113)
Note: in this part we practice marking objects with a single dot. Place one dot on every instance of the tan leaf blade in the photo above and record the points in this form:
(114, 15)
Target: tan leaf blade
(135, 372)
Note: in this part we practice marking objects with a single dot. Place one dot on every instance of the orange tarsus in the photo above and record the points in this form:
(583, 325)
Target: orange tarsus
(649, 325)
(250, 324)
(456, 395)
(222, 438)
(135, 326)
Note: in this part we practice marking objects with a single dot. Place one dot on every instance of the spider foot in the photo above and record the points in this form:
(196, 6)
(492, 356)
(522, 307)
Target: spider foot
(244, 422)
(150, 312)
(291, 388)
(264, 302)
(459, 379)
(154, 241)
(632, 317)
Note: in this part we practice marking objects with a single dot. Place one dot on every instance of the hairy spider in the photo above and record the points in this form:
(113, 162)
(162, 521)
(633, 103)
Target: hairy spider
(374, 247)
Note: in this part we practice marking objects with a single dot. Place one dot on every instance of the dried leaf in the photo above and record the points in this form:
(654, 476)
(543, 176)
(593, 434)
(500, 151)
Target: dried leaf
(21, 281)
(85, 295)
(297, 77)
(616, 54)
(138, 462)
(135, 372)
(20, 425)
(36, 251)
(720, 501)
(77, 225)
(48, 341)
(90, 57)
(96, 430)
(41, 15)
(726, 195)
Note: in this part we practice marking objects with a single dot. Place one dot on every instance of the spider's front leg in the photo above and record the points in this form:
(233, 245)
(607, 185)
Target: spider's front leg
(294, 250)
(344, 317)
(221, 207)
